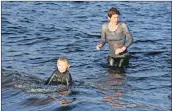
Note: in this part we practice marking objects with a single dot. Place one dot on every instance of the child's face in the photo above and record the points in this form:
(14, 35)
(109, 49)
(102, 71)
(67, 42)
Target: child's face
(62, 66)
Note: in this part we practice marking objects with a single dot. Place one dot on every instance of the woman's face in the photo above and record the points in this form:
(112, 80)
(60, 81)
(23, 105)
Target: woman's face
(114, 18)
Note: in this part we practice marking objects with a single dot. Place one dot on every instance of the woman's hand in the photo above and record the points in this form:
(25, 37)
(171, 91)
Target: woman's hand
(99, 46)
(120, 50)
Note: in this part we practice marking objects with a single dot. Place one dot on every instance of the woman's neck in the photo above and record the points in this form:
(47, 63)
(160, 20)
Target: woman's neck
(113, 26)
(113, 23)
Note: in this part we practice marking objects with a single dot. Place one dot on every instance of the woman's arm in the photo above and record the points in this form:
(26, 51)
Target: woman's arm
(128, 35)
(129, 40)
(103, 38)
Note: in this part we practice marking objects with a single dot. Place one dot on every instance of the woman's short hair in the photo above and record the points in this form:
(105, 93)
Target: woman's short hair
(113, 11)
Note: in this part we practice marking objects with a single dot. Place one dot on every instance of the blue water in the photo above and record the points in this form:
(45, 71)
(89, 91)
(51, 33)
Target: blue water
(35, 34)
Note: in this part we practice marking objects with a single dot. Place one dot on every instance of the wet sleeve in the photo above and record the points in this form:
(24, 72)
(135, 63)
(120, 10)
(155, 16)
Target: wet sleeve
(69, 79)
(128, 36)
(103, 36)
(50, 79)
(70, 86)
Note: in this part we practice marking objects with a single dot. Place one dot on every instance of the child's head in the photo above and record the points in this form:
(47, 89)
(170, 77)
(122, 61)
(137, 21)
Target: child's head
(63, 64)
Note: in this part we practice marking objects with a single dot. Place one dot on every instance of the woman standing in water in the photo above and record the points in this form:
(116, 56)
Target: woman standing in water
(119, 39)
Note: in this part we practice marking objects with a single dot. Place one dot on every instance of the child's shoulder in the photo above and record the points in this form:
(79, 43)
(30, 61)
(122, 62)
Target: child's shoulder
(68, 73)
(56, 71)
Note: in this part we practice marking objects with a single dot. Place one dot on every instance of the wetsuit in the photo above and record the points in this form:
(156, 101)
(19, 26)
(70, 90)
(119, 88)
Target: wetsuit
(59, 78)
(117, 39)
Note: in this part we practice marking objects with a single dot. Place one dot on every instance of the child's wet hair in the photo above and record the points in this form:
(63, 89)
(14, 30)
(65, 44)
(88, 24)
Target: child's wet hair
(64, 59)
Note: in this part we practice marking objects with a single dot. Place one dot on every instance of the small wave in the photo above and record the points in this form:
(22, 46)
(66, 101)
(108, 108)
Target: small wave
(35, 101)
(32, 84)
(35, 41)
(153, 53)
(145, 41)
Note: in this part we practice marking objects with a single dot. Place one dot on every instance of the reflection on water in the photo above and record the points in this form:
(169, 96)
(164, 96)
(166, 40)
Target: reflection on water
(109, 87)
(37, 101)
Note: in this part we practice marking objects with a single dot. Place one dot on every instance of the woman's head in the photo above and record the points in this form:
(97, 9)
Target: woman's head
(113, 15)
(113, 11)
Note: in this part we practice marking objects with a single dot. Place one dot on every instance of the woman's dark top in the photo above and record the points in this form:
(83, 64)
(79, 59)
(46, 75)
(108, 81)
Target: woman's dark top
(116, 39)
(59, 78)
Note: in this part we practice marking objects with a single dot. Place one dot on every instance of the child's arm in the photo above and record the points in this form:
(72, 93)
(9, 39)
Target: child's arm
(49, 80)
(67, 81)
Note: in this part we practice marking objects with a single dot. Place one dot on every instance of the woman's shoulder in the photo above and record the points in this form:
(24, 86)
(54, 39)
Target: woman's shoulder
(123, 24)
(105, 26)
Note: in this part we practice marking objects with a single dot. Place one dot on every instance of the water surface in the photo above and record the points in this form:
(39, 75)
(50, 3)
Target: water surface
(34, 34)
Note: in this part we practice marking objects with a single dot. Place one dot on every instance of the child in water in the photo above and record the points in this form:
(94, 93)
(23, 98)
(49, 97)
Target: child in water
(61, 75)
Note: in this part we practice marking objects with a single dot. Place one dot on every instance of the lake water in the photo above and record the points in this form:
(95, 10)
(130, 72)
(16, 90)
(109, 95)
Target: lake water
(35, 34)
